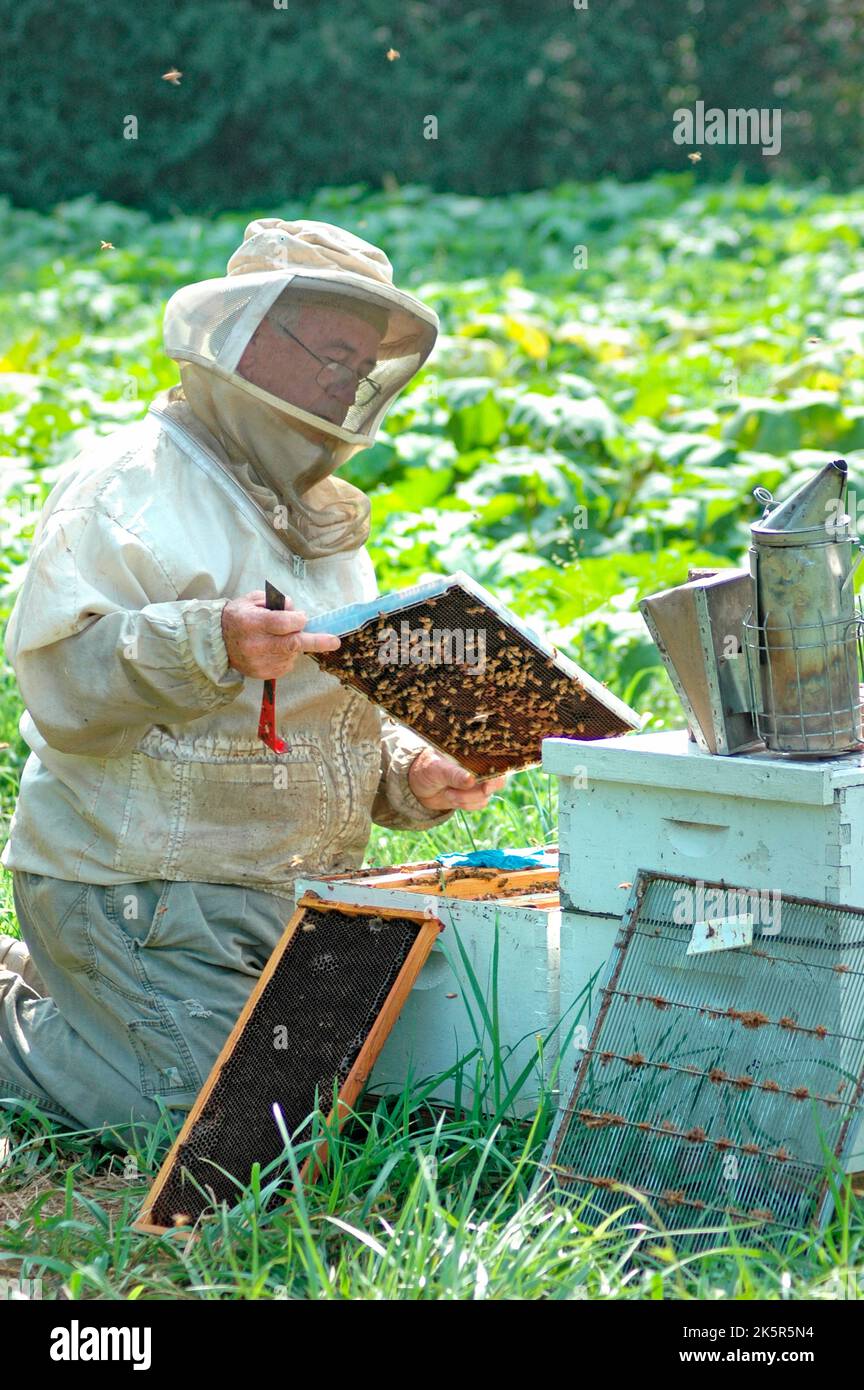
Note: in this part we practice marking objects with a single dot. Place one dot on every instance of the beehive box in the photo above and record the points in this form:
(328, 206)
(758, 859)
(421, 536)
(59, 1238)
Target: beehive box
(489, 996)
(447, 660)
(657, 801)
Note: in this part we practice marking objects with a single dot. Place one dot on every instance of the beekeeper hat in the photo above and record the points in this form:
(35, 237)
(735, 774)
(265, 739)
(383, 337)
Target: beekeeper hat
(286, 273)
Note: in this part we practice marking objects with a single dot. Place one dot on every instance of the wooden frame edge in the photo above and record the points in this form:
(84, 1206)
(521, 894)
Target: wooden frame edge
(143, 1225)
(402, 985)
(379, 1032)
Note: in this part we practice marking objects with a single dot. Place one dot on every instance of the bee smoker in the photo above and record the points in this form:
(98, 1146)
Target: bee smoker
(802, 634)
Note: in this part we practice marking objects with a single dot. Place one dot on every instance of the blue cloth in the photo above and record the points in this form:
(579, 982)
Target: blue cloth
(500, 859)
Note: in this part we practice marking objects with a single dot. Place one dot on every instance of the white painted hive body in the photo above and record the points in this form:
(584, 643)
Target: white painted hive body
(655, 801)
(511, 1029)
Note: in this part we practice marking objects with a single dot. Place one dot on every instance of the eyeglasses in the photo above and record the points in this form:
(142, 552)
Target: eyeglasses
(337, 374)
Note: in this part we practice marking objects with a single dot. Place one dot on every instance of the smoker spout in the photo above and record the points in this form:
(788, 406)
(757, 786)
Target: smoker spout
(817, 506)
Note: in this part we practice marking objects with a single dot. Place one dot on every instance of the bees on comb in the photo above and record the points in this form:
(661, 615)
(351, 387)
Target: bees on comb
(461, 678)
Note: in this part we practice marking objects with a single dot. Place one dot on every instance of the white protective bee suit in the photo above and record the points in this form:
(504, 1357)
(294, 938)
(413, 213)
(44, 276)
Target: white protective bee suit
(156, 838)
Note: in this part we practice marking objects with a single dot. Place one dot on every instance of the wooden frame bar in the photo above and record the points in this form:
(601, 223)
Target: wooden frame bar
(365, 1060)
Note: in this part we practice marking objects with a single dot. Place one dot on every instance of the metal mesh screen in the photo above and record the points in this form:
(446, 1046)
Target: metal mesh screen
(719, 1085)
(491, 715)
(305, 1030)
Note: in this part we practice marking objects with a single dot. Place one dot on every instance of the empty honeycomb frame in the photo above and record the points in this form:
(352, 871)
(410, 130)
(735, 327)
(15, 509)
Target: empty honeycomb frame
(484, 688)
(329, 995)
(718, 1085)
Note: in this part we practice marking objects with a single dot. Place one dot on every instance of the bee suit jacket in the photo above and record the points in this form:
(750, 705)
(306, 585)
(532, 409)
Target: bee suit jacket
(145, 759)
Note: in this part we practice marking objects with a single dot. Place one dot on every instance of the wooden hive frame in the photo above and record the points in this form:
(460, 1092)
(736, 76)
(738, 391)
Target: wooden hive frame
(493, 716)
(429, 928)
(454, 882)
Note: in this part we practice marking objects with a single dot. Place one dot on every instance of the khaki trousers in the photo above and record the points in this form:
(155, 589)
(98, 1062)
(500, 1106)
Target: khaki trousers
(143, 982)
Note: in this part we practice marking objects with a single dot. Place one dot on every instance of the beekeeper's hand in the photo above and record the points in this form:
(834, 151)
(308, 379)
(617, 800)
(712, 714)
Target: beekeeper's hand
(265, 643)
(440, 784)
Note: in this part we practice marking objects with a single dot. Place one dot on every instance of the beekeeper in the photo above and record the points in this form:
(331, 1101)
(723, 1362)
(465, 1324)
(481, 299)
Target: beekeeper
(156, 837)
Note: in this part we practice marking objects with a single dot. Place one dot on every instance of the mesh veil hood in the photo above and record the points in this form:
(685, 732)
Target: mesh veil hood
(276, 442)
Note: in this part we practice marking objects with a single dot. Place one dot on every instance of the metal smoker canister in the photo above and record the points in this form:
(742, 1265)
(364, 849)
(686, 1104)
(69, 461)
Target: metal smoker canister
(802, 640)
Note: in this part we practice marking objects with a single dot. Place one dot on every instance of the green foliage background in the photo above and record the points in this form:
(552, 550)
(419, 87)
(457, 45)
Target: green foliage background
(581, 435)
(628, 350)
(276, 102)
(621, 364)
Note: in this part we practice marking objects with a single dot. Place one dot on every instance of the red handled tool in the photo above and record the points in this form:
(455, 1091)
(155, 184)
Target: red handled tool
(267, 721)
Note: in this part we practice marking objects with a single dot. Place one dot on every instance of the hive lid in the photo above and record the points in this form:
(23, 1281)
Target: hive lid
(670, 761)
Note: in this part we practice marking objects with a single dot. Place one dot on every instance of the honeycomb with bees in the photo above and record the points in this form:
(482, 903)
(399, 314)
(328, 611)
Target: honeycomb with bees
(448, 661)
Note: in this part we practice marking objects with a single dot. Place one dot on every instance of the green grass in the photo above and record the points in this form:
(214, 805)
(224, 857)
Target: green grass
(415, 1204)
(416, 1201)
(580, 437)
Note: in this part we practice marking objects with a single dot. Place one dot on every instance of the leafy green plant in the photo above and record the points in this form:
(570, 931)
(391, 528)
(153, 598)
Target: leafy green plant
(579, 439)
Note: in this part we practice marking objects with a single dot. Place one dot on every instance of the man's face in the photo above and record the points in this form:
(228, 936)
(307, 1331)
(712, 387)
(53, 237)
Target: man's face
(279, 364)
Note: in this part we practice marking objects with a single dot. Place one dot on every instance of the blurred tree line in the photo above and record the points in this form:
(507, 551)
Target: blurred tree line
(278, 97)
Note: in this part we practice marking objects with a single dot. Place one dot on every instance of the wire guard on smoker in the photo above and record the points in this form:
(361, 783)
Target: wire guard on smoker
(786, 720)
